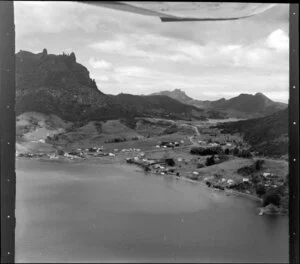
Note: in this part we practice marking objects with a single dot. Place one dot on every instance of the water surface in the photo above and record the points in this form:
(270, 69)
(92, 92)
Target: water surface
(113, 213)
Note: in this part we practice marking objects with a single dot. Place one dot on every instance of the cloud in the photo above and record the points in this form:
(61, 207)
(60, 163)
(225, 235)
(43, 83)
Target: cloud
(102, 78)
(110, 46)
(134, 53)
(278, 40)
(100, 64)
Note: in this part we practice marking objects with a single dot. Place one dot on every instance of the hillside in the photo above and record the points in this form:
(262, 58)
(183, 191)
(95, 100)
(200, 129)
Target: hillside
(248, 105)
(58, 85)
(182, 97)
(267, 135)
(242, 106)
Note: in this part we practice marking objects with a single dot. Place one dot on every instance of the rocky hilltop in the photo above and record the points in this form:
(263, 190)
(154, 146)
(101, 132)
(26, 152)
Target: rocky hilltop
(59, 85)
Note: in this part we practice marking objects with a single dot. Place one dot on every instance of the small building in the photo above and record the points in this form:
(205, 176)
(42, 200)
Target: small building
(230, 182)
(266, 174)
(245, 180)
(195, 173)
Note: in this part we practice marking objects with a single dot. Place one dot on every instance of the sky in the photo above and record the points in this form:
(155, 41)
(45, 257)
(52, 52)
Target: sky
(137, 54)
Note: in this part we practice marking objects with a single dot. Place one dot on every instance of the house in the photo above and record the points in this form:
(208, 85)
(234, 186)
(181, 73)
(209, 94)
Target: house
(230, 182)
(245, 180)
(53, 156)
(266, 174)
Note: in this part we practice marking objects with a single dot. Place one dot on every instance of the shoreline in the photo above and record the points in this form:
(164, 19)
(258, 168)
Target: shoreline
(119, 161)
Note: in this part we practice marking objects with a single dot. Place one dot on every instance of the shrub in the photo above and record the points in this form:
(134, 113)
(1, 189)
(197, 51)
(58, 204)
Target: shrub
(200, 165)
(271, 198)
(60, 152)
(246, 170)
(244, 154)
(260, 190)
(255, 179)
(171, 129)
(170, 162)
(236, 151)
(210, 161)
(258, 164)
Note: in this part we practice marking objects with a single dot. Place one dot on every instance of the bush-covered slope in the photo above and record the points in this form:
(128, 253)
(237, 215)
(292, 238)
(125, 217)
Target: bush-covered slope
(267, 135)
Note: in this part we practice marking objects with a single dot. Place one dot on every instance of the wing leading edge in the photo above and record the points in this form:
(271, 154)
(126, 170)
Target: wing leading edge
(187, 11)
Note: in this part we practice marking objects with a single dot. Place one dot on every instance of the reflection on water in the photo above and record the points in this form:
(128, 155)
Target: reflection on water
(113, 213)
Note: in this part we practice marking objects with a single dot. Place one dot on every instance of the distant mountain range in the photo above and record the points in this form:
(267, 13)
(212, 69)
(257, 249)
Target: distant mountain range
(57, 84)
(242, 106)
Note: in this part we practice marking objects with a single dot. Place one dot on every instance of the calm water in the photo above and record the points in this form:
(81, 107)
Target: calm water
(113, 213)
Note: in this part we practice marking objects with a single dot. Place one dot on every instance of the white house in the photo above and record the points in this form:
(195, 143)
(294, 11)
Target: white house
(230, 182)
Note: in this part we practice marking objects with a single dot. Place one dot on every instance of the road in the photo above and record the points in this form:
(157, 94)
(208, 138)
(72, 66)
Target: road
(191, 138)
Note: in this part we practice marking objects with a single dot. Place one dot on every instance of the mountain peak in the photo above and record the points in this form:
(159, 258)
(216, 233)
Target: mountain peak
(261, 95)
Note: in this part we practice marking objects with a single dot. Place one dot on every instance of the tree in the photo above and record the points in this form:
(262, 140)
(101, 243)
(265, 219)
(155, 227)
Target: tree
(210, 161)
(236, 151)
(258, 164)
(271, 198)
(260, 190)
(170, 162)
(73, 57)
(226, 151)
(60, 152)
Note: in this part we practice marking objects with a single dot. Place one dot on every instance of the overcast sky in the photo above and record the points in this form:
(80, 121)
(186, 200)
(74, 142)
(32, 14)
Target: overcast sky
(132, 53)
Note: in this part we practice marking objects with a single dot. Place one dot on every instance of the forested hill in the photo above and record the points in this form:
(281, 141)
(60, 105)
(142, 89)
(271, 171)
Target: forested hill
(267, 135)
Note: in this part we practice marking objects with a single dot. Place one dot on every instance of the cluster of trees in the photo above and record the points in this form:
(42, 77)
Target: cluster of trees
(210, 161)
(244, 153)
(116, 140)
(206, 151)
(255, 167)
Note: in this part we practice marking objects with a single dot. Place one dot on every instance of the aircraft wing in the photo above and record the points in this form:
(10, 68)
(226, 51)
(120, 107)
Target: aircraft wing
(188, 11)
